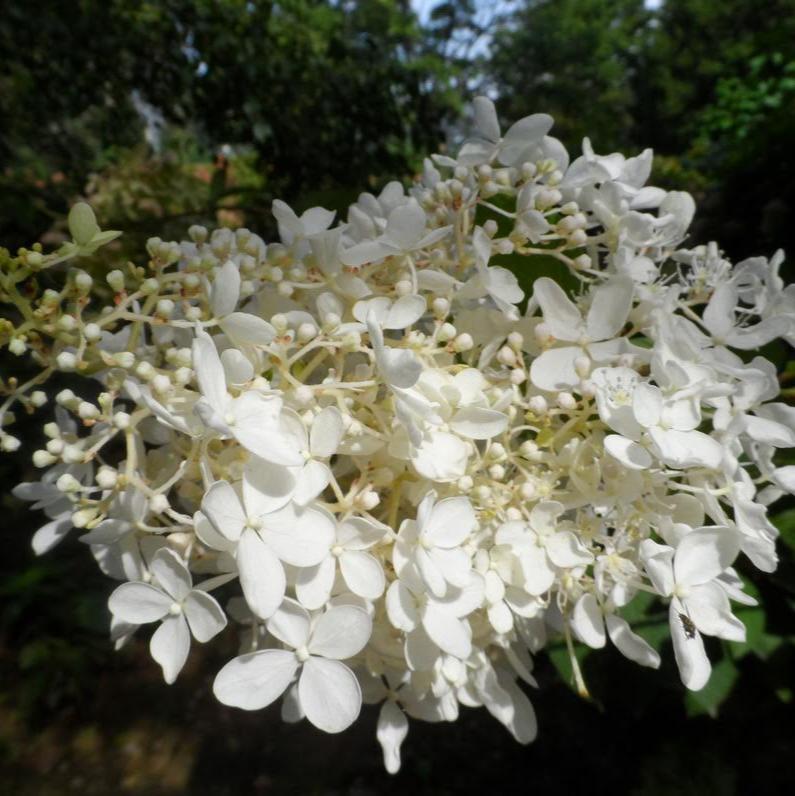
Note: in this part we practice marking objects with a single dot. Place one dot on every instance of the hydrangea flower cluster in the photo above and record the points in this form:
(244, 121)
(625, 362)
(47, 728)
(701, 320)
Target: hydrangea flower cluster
(395, 472)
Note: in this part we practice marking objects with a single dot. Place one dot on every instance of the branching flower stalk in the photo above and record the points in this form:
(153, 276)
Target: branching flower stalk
(394, 471)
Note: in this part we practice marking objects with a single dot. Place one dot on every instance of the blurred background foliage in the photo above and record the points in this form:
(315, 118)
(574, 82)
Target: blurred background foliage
(163, 114)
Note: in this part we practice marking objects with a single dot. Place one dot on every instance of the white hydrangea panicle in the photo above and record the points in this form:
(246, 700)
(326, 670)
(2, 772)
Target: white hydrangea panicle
(403, 459)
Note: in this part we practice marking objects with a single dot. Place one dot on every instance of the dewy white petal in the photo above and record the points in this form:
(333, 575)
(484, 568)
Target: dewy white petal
(261, 574)
(630, 644)
(694, 665)
(138, 603)
(247, 329)
(210, 372)
(705, 553)
(222, 507)
(362, 573)
(392, 729)
(171, 574)
(170, 645)
(205, 617)
(450, 522)
(477, 422)
(329, 693)
(326, 432)
(453, 636)
(253, 681)
(341, 632)
(313, 585)
(226, 289)
(301, 537)
(588, 623)
(290, 624)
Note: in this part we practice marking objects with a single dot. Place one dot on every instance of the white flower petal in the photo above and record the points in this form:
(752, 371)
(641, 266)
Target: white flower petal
(694, 665)
(210, 372)
(290, 624)
(205, 617)
(243, 328)
(171, 574)
(330, 695)
(392, 729)
(226, 289)
(704, 553)
(362, 573)
(326, 433)
(170, 645)
(138, 603)
(588, 623)
(477, 422)
(267, 487)
(313, 585)
(453, 636)
(341, 632)
(630, 644)
(221, 506)
(261, 574)
(629, 453)
(253, 681)
(301, 537)
(450, 522)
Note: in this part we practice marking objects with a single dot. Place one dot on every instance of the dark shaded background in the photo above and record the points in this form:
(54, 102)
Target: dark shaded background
(166, 113)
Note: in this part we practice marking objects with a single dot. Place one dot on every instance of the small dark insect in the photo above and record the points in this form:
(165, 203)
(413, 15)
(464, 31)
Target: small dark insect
(687, 624)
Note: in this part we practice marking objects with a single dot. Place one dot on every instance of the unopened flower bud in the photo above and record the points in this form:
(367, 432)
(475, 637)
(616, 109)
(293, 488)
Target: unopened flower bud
(66, 361)
(463, 342)
(42, 458)
(116, 280)
(158, 504)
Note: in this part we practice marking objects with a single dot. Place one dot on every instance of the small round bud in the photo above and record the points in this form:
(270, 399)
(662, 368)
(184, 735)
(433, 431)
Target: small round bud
(505, 246)
(507, 356)
(304, 395)
(17, 346)
(193, 313)
(66, 323)
(583, 262)
(538, 405)
(161, 383)
(150, 286)
(81, 518)
(121, 420)
(463, 342)
(92, 332)
(197, 233)
(106, 478)
(88, 411)
(116, 280)
(403, 287)
(307, 332)
(578, 238)
(528, 490)
(528, 170)
(42, 458)
(465, 483)
(446, 332)
(55, 446)
(164, 309)
(67, 483)
(515, 340)
(285, 289)
(66, 361)
(38, 398)
(497, 472)
(440, 307)
(566, 401)
(490, 227)
(73, 454)
(9, 444)
(83, 281)
(582, 366)
(124, 359)
(518, 376)
(158, 504)
(51, 430)
(145, 370)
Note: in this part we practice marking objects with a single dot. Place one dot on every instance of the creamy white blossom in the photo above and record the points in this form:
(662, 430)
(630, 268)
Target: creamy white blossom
(402, 460)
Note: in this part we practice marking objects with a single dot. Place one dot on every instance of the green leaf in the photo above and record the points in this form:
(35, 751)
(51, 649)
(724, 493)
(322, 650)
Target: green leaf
(83, 225)
(709, 699)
